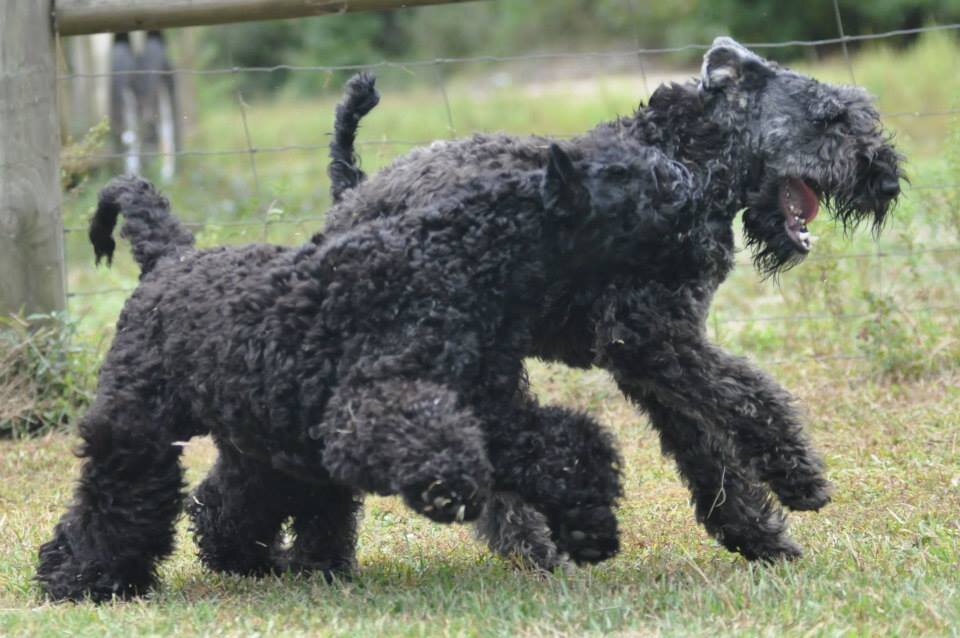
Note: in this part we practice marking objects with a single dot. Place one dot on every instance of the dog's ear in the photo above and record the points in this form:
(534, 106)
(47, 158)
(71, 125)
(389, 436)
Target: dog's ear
(563, 191)
(728, 63)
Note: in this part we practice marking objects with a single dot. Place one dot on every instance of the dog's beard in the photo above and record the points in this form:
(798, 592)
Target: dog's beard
(853, 200)
(773, 250)
(767, 225)
(765, 228)
(853, 209)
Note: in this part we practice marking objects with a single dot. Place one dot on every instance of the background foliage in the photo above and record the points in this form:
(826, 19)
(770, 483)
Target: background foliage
(46, 375)
(504, 26)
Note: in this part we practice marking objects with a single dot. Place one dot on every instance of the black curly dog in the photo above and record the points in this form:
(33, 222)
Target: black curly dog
(648, 239)
(387, 359)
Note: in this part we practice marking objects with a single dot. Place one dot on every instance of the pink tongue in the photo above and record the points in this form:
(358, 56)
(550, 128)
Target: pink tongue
(804, 195)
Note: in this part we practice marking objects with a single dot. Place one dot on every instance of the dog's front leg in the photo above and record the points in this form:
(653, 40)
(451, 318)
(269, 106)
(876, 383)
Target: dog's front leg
(558, 472)
(767, 428)
(651, 339)
(689, 371)
(408, 437)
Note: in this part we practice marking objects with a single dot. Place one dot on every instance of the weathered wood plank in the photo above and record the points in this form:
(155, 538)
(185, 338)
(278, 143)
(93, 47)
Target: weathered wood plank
(76, 17)
(31, 228)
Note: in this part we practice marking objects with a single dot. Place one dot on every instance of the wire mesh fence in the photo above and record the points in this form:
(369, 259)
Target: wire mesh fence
(935, 254)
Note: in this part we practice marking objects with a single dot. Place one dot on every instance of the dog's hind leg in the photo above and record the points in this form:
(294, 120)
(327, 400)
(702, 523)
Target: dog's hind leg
(236, 514)
(122, 518)
(408, 437)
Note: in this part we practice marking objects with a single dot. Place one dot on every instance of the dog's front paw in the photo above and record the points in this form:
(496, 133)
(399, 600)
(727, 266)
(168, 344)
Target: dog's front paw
(806, 495)
(586, 534)
(446, 501)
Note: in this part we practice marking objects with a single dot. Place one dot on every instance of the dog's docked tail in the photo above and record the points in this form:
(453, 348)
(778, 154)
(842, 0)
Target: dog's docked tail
(151, 228)
(358, 100)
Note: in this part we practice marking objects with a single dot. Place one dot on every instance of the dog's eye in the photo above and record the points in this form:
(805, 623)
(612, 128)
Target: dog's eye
(828, 121)
(827, 112)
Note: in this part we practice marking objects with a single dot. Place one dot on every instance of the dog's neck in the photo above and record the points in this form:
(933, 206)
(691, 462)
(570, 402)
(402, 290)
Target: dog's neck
(703, 133)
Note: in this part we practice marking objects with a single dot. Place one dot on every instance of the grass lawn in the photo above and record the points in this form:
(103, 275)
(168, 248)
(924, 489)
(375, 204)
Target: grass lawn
(881, 560)
(864, 333)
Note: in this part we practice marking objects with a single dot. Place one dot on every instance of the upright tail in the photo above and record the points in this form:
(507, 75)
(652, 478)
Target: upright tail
(151, 228)
(359, 99)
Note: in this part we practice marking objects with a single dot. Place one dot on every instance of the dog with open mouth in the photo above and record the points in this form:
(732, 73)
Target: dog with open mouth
(657, 195)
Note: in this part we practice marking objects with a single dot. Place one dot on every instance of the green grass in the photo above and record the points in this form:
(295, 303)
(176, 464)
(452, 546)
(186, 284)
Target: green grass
(869, 345)
(881, 559)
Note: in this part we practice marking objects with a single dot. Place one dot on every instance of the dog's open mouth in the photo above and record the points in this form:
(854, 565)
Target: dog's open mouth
(800, 206)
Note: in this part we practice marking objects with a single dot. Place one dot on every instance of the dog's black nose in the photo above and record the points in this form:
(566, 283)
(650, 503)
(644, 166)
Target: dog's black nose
(890, 187)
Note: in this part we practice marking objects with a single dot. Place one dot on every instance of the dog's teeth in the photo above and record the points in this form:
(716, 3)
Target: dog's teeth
(441, 502)
(461, 513)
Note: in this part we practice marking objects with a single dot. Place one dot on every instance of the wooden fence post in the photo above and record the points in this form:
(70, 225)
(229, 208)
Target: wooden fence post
(79, 17)
(31, 227)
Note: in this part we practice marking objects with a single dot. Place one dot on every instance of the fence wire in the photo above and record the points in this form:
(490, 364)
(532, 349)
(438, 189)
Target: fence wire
(641, 55)
(528, 57)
